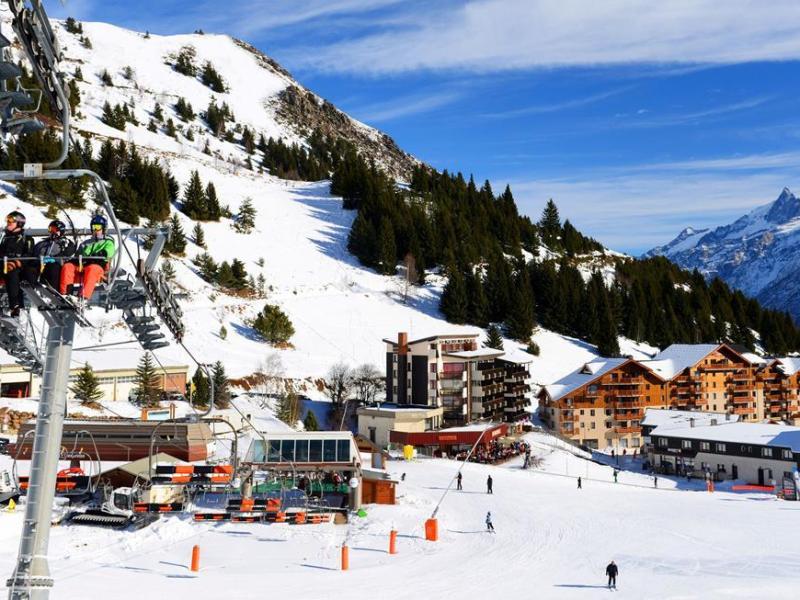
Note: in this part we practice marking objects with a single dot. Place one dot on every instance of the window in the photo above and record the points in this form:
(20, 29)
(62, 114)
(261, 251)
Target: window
(591, 412)
(274, 451)
(343, 450)
(433, 367)
(787, 454)
(593, 425)
(301, 451)
(662, 442)
(287, 450)
(329, 451)
(766, 452)
(687, 444)
(705, 446)
(581, 412)
(608, 412)
(315, 451)
(721, 448)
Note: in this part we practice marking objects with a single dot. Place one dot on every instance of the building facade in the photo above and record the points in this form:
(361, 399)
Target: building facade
(116, 384)
(756, 453)
(453, 372)
(602, 403)
(375, 423)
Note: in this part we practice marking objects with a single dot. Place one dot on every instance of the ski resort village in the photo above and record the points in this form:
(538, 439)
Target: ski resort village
(250, 346)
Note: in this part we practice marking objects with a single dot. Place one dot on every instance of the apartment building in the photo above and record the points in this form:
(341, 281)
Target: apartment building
(602, 403)
(452, 371)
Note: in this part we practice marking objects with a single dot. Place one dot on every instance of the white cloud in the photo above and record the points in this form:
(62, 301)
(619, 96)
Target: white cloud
(558, 106)
(636, 208)
(403, 107)
(497, 35)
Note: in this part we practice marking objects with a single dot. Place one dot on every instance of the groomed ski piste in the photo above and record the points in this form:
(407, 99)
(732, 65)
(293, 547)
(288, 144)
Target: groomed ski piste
(552, 540)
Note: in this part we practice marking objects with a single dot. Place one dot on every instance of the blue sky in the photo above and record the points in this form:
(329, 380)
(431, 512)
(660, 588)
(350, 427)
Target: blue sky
(637, 118)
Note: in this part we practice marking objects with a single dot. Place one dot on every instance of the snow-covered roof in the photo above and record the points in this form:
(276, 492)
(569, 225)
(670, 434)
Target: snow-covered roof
(789, 365)
(517, 356)
(587, 373)
(762, 434)
(754, 359)
(668, 419)
(674, 359)
(470, 427)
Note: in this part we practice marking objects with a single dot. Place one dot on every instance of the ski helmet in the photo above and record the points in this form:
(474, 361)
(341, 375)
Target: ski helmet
(99, 220)
(16, 217)
(57, 226)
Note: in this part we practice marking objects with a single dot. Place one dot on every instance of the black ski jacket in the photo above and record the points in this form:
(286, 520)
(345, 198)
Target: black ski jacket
(612, 570)
(54, 247)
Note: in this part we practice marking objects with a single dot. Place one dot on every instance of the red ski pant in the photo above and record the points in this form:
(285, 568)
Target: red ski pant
(91, 276)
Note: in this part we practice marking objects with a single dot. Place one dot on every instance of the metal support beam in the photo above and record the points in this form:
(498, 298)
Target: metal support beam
(31, 579)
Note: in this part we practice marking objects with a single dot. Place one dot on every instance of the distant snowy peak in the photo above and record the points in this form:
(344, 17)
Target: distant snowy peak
(759, 253)
(686, 238)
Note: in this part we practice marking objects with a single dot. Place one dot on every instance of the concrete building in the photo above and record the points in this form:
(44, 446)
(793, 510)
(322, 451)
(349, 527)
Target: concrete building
(453, 372)
(375, 423)
(116, 384)
(602, 403)
(757, 453)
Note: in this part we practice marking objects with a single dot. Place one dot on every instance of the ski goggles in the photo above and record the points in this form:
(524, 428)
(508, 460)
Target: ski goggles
(53, 229)
(97, 227)
(11, 220)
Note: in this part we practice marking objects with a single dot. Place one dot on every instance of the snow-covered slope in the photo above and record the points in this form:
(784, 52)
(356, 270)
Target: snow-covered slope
(758, 253)
(340, 310)
(552, 541)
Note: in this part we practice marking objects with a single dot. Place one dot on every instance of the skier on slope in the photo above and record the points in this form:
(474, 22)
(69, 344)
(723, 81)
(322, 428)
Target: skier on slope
(95, 256)
(458, 481)
(579, 483)
(489, 526)
(612, 570)
(489, 485)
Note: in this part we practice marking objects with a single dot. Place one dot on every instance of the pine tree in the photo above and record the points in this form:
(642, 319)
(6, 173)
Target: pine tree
(158, 113)
(246, 219)
(310, 422)
(86, 388)
(168, 271)
(222, 394)
(170, 129)
(454, 298)
(213, 210)
(201, 387)
(223, 333)
(289, 409)
(477, 304)
(105, 79)
(550, 224)
(177, 239)
(198, 235)
(387, 247)
(273, 325)
(147, 382)
(493, 338)
(521, 319)
(212, 78)
(194, 199)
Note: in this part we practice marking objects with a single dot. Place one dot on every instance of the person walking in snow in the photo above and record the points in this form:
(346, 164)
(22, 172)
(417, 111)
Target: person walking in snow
(615, 475)
(655, 481)
(611, 571)
(489, 485)
(580, 487)
(489, 526)
(458, 482)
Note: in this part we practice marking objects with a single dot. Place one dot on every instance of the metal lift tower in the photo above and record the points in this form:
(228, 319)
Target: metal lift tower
(141, 294)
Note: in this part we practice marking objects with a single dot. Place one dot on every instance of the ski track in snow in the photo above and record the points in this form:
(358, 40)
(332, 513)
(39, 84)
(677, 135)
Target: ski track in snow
(552, 541)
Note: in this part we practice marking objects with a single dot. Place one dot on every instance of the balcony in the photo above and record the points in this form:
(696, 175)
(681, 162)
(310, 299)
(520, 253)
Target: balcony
(625, 430)
(629, 415)
(624, 381)
(459, 375)
(717, 367)
(743, 410)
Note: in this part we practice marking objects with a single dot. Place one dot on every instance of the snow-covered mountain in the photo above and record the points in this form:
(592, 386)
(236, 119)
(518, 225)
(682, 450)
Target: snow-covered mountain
(340, 310)
(758, 253)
